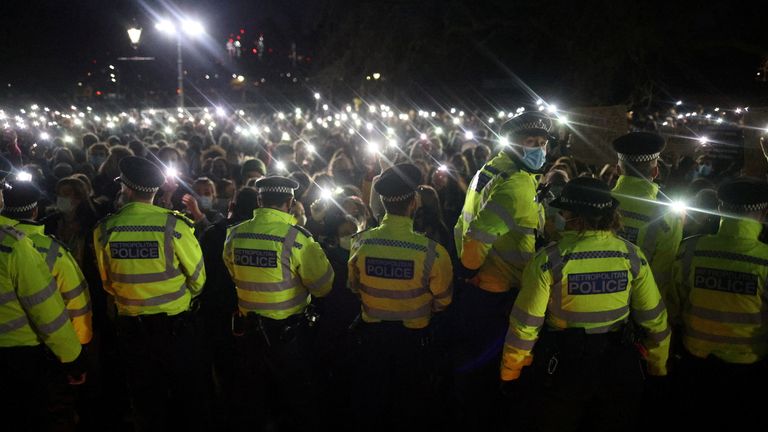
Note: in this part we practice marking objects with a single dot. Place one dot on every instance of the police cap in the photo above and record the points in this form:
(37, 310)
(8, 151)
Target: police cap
(276, 185)
(20, 197)
(140, 174)
(639, 146)
(743, 195)
(585, 195)
(529, 123)
(398, 183)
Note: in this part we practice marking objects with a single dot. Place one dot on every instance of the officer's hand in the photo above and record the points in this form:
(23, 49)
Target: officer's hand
(76, 370)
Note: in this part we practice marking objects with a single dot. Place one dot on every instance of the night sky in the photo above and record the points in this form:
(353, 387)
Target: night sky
(597, 52)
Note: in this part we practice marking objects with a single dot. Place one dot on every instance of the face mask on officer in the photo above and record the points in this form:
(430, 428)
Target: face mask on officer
(534, 152)
(561, 222)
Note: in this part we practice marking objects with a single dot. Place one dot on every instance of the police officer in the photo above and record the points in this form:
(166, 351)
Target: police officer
(151, 263)
(648, 220)
(720, 291)
(495, 239)
(582, 291)
(403, 278)
(277, 267)
(21, 205)
(31, 311)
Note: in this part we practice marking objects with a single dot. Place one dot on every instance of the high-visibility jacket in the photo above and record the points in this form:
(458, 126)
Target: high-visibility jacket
(31, 308)
(652, 226)
(590, 280)
(149, 260)
(719, 291)
(69, 278)
(496, 230)
(275, 265)
(400, 275)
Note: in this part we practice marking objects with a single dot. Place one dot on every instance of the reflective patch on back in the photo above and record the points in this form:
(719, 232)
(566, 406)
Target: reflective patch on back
(134, 250)
(597, 283)
(256, 258)
(389, 268)
(725, 281)
(629, 234)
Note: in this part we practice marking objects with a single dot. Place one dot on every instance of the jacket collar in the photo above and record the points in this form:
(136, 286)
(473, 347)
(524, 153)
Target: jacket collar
(636, 186)
(274, 215)
(396, 221)
(28, 227)
(740, 228)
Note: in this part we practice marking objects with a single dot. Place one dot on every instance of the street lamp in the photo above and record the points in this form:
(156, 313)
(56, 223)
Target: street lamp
(134, 34)
(190, 27)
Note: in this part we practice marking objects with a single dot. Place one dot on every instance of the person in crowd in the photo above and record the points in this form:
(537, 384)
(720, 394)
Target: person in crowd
(647, 222)
(402, 278)
(104, 183)
(152, 266)
(571, 317)
(428, 218)
(200, 205)
(718, 302)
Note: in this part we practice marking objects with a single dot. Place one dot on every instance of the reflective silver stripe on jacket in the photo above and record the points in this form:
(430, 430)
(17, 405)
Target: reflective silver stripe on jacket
(51, 254)
(512, 256)
(76, 291)
(324, 279)
(481, 236)
(525, 318)
(387, 315)
(757, 318)
(687, 260)
(734, 340)
(13, 324)
(512, 340)
(266, 286)
(505, 216)
(647, 315)
(57, 323)
(7, 297)
(153, 301)
(40, 296)
(300, 299)
(634, 215)
(74, 313)
(393, 243)
(392, 293)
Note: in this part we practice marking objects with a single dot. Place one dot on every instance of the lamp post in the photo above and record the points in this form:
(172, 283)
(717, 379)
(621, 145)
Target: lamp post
(134, 34)
(190, 27)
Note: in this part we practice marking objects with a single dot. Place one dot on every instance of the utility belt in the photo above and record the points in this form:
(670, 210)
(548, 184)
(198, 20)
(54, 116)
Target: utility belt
(153, 323)
(272, 331)
(387, 331)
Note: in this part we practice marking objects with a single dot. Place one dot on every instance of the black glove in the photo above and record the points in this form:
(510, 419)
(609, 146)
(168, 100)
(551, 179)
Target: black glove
(76, 370)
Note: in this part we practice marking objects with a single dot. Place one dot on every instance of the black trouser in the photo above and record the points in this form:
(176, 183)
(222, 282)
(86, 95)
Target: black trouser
(274, 370)
(167, 382)
(23, 393)
(480, 322)
(581, 381)
(393, 389)
(715, 395)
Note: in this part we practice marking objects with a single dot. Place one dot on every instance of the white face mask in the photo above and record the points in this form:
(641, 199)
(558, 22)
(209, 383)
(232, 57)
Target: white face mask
(64, 204)
(205, 202)
(345, 242)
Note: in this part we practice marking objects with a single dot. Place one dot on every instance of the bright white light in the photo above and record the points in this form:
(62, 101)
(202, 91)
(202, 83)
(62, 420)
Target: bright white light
(469, 135)
(678, 206)
(423, 136)
(171, 172)
(280, 165)
(372, 109)
(165, 26)
(501, 114)
(390, 131)
(45, 136)
(738, 110)
(134, 34)
(337, 123)
(351, 131)
(540, 102)
(280, 116)
(456, 121)
(490, 120)
(720, 120)
(325, 194)
(24, 176)
(34, 107)
(285, 137)
(68, 139)
(168, 130)
(376, 75)
(325, 107)
(678, 103)
(267, 129)
(552, 109)
(97, 118)
(403, 117)
(317, 96)
(717, 109)
(221, 112)
(373, 147)
(563, 119)
(438, 131)
(311, 148)
(193, 27)
(393, 142)
(254, 130)
(442, 168)
(703, 140)
(504, 141)
(453, 110)
(240, 78)
(310, 126)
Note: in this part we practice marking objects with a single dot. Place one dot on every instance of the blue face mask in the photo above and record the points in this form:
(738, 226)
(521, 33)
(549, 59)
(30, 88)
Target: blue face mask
(205, 202)
(534, 158)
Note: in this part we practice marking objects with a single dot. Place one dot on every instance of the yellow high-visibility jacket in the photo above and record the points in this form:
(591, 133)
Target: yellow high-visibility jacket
(496, 230)
(400, 275)
(275, 265)
(719, 291)
(31, 308)
(149, 260)
(69, 278)
(590, 280)
(652, 226)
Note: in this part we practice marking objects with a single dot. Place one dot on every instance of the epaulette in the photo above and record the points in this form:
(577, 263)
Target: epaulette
(13, 232)
(360, 232)
(180, 216)
(303, 230)
(104, 219)
(61, 243)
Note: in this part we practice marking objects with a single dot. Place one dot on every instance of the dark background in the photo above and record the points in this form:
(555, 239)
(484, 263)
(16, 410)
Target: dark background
(577, 52)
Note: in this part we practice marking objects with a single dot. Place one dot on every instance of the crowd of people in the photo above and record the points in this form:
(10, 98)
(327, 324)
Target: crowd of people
(488, 194)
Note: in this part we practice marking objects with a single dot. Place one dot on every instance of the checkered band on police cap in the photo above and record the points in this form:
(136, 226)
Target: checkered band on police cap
(744, 208)
(136, 187)
(20, 209)
(276, 189)
(638, 157)
(602, 205)
(398, 198)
